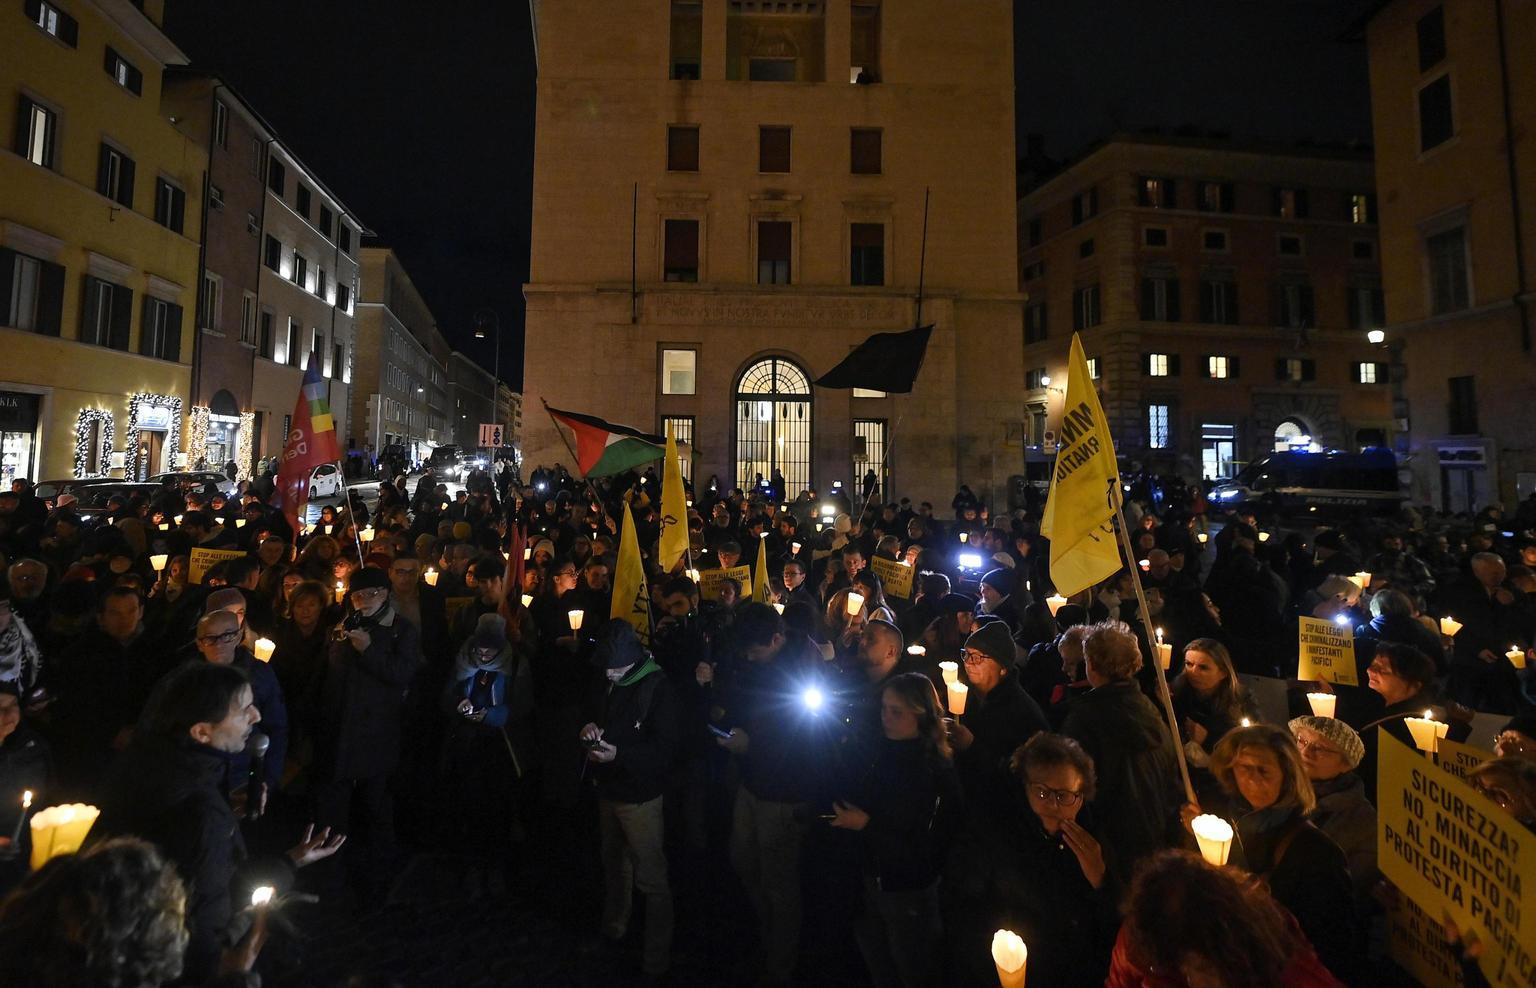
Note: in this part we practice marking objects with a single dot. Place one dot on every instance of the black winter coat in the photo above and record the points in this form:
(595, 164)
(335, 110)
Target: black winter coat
(358, 736)
(913, 800)
(640, 720)
(1000, 721)
(1138, 774)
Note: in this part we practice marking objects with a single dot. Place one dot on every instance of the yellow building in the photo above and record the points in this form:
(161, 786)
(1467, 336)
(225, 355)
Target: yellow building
(729, 196)
(1453, 103)
(99, 218)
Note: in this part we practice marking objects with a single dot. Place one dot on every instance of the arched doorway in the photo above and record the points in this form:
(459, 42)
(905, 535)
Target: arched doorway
(1293, 434)
(773, 424)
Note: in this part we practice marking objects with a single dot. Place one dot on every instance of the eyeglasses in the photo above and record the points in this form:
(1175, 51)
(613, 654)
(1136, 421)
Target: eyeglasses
(1381, 669)
(222, 638)
(1317, 748)
(972, 657)
(1061, 797)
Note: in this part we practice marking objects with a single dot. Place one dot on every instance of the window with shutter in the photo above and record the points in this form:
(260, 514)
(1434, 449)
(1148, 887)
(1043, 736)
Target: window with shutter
(302, 199)
(36, 127)
(53, 21)
(277, 176)
(773, 252)
(865, 151)
(680, 261)
(867, 258)
(773, 149)
(274, 254)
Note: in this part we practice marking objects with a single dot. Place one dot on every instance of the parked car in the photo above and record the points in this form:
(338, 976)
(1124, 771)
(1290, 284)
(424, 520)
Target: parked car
(326, 481)
(206, 479)
(94, 497)
(49, 490)
(1323, 483)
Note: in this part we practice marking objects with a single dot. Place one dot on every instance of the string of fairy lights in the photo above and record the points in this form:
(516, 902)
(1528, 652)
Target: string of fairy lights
(96, 433)
(94, 427)
(136, 404)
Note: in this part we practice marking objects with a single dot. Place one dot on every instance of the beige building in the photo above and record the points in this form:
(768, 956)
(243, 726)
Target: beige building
(729, 196)
(1224, 293)
(401, 394)
(1453, 101)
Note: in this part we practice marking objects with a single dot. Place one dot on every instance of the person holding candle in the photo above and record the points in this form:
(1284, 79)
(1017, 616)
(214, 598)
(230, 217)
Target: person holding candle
(1330, 752)
(999, 717)
(1492, 617)
(997, 598)
(1191, 924)
(1265, 786)
(1208, 699)
(26, 766)
(218, 641)
(302, 640)
(905, 810)
(1136, 758)
(1404, 679)
(166, 788)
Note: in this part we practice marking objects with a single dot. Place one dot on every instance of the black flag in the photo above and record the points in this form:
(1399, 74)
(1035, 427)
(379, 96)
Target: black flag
(884, 362)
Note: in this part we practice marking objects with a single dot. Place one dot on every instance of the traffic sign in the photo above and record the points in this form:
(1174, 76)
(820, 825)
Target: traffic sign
(490, 435)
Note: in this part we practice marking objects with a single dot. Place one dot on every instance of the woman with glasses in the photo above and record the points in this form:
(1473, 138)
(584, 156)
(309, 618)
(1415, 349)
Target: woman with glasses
(1268, 796)
(904, 809)
(999, 716)
(1330, 751)
(1510, 782)
(1038, 871)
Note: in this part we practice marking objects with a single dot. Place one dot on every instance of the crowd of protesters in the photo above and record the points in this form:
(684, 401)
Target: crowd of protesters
(332, 697)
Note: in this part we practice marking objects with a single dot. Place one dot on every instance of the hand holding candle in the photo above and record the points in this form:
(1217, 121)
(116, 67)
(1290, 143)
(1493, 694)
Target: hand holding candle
(1516, 656)
(1214, 835)
(158, 561)
(855, 603)
(1009, 955)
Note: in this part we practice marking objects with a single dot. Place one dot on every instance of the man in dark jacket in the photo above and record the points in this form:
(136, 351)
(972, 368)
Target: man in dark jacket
(999, 717)
(632, 742)
(218, 640)
(1134, 755)
(166, 789)
(357, 744)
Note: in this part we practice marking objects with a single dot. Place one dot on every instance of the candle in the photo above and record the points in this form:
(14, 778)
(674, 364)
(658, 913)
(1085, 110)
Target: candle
(329, 529)
(60, 830)
(164, 527)
(575, 619)
(1163, 652)
(1516, 656)
(819, 526)
(917, 650)
(430, 576)
(179, 518)
(264, 648)
(1362, 579)
(1055, 602)
(957, 692)
(1263, 536)
(965, 536)
(1322, 704)
(951, 672)
(690, 504)
(158, 561)
(366, 534)
(527, 554)
(778, 607)
(261, 896)
(1426, 731)
(217, 520)
(794, 547)
(1145, 564)
(1449, 626)
(341, 591)
(855, 603)
(26, 804)
(1214, 835)
(239, 522)
(1204, 538)
(1009, 956)
(527, 600)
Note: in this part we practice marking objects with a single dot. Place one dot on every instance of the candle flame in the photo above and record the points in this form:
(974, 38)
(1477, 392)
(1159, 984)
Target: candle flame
(1159, 636)
(26, 799)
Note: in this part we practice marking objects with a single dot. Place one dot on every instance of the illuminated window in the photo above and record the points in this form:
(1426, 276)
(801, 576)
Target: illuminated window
(1217, 367)
(1366, 372)
(1157, 426)
(1157, 365)
(677, 372)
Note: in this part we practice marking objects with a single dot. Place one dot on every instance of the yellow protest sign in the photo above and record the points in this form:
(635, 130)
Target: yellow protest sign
(631, 597)
(894, 577)
(1080, 508)
(710, 580)
(1327, 652)
(200, 561)
(1459, 759)
(1416, 943)
(1451, 850)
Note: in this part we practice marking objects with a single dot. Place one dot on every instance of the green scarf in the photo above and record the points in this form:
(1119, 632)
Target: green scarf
(639, 672)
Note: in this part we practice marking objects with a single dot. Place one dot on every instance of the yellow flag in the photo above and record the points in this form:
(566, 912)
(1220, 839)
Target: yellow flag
(674, 513)
(1079, 512)
(760, 574)
(631, 599)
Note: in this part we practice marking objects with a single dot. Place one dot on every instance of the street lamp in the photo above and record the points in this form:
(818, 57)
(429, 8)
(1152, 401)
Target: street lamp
(1376, 336)
(488, 323)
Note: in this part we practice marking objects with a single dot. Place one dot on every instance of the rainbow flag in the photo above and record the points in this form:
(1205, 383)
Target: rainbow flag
(311, 442)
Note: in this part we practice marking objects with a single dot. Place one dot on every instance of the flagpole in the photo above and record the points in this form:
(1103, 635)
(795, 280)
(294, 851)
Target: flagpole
(346, 500)
(576, 462)
(1117, 501)
(922, 258)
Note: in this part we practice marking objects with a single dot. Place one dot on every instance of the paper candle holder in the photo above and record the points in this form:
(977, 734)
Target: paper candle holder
(957, 694)
(1009, 956)
(1055, 602)
(1323, 704)
(575, 617)
(917, 650)
(158, 561)
(1516, 656)
(1427, 732)
(855, 603)
(527, 600)
(431, 577)
(1449, 626)
(60, 830)
(1214, 835)
(263, 649)
(950, 671)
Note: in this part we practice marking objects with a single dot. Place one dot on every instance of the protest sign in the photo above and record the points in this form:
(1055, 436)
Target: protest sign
(1459, 759)
(202, 560)
(710, 580)
(894, 577)
(1461, 858)
(1327, 651)
(1416, 943)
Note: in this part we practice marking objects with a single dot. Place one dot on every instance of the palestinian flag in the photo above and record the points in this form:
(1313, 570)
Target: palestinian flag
(604, 449)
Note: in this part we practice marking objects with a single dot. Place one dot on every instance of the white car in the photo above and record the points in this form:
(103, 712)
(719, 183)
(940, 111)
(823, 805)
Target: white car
(326, 481)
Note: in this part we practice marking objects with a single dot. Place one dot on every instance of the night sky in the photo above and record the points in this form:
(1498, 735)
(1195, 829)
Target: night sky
(420, 115)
